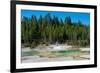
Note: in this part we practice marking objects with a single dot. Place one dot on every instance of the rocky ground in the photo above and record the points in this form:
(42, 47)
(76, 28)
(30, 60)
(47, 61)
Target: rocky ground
(61, 52)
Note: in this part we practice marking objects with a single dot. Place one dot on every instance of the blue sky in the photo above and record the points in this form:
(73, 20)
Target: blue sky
(75, 16)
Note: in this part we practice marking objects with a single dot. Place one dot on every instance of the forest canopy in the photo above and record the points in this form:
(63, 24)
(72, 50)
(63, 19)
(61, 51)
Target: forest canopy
(51, 29)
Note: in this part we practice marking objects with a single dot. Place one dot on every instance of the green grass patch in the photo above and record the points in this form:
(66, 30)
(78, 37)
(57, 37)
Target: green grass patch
(66, 52)
(27, 53)
(60, 53)
(30, 53)
(35, 52)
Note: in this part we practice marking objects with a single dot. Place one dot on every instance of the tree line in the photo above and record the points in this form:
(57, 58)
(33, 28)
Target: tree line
(51, 29)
